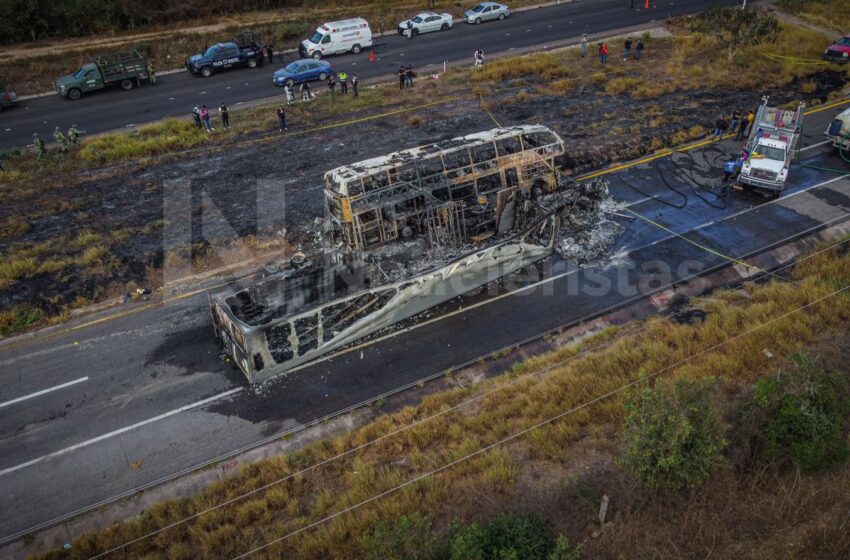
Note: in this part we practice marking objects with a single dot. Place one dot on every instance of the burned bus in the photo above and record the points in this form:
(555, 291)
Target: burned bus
(404, 232)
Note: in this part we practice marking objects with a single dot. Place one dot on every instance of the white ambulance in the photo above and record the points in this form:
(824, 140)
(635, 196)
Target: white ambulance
(337, 37)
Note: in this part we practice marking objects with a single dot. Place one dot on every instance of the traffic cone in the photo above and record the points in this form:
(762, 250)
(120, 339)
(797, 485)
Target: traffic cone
(646, 5)
(372, 54)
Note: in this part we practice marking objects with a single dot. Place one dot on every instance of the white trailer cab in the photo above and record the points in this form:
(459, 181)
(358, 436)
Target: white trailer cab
(337, 37)
(839, 131)
(772, 145)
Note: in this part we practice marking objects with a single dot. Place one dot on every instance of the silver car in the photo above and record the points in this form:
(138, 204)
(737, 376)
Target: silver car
(485, 11)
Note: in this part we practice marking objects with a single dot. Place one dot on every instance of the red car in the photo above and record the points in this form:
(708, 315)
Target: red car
(838, 51)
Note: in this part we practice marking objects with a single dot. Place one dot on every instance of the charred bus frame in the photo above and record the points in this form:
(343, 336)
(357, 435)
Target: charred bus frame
(471, 206)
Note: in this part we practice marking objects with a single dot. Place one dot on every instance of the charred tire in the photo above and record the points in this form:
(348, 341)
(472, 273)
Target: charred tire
(317, 55)
(444, 27)
(206, 72)
(74, 94)
(126, 85)
(252, 63)
(501, 17)
(477, 21)
(355, 49)
(322, 76)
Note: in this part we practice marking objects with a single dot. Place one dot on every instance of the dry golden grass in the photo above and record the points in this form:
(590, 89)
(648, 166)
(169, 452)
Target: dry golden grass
(543, 387)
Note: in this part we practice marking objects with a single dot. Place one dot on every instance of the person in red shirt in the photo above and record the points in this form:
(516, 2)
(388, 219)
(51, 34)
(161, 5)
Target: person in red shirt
(603, 53)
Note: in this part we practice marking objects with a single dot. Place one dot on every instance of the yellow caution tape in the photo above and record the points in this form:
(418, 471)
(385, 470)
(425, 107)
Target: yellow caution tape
(703, 247)
(484, 106)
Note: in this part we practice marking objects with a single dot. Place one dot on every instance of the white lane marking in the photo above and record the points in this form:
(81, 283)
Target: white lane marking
(120, 431)
(815, 145)
(43, 392)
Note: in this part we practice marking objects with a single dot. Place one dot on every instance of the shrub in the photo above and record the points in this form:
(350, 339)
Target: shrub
(507, 537)
(18, 319)
(674, 436)
(802, 417)
(408, 537)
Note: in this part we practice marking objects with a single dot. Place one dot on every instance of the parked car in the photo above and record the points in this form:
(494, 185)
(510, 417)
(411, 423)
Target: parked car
(303, 70)
(427, 22)
(838, 51)
(486, 11)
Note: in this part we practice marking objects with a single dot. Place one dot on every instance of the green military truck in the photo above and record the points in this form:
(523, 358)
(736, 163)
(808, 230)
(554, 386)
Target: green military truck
(7, 98)
(127, 69)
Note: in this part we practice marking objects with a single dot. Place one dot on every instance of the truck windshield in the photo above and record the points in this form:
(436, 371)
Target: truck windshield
(79, 73)
(211, 52)
(844, 41)
(770, 152)
(316, 38)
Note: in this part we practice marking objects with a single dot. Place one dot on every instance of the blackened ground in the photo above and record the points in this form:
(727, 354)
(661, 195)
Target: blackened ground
(273, 187)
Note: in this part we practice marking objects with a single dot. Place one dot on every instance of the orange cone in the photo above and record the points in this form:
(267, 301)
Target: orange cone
(372, 54)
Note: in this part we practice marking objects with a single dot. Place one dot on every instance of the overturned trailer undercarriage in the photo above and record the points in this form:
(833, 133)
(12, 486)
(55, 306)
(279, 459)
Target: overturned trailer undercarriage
(404, 233)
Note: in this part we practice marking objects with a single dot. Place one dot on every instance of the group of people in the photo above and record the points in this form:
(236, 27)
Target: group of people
(737, 123)
(405, 77)
(64, 142)
(342, 79)
(202, 118)
(602, 49)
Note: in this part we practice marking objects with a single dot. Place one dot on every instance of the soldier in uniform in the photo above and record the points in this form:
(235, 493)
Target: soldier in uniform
(40, 150)
(354, 85)
(305, 91)
(61, 139)
(196, 116)
(74, 136)
(151, 73)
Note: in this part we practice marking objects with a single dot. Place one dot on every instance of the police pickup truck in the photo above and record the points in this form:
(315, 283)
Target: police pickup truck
(244, 50)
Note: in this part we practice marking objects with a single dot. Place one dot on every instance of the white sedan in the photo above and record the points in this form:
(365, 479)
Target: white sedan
(426, 22)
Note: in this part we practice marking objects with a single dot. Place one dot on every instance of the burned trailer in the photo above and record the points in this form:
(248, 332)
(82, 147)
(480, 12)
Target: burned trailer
(404, 233)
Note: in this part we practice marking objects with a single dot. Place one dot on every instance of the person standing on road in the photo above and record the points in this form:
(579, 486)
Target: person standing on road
(60, 139)
(225, 116)
(343, 83)
(408, 76)
(270, 49)
(354, 85)
(627, 48)
(281, 118)
(151, 73)
(196, 116)
(582, 48)
(332, 86)
(631, 4)
(205, 118)
(638, 49)
(290, 97)
(74, 136)
(402, 72)
(409, 30)
(40, 149)
(305, 92)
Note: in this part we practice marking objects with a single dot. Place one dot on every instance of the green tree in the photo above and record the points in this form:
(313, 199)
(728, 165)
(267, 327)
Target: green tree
(802, 417)
(737, 28)
(406, 538)
(674, 435)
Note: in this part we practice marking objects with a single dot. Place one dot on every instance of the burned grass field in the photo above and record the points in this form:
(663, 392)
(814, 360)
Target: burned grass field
(91, 226)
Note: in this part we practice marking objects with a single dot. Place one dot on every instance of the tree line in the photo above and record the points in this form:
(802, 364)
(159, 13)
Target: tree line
(32, 20)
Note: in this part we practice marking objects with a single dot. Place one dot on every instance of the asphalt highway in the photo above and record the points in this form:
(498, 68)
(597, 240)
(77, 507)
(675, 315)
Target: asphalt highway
(92, 413)
(176, 94)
